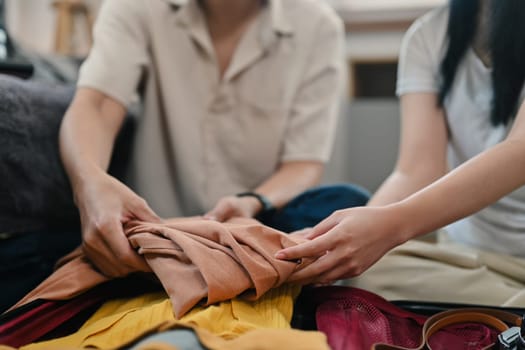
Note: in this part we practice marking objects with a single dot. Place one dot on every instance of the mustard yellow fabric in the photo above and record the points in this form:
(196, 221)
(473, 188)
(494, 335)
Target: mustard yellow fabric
(121, 321)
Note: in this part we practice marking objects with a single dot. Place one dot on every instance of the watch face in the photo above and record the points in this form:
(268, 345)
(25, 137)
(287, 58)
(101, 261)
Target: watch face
(266, 204)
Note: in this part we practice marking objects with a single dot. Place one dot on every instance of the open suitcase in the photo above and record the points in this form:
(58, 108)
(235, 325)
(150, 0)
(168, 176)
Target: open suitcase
(355, 319)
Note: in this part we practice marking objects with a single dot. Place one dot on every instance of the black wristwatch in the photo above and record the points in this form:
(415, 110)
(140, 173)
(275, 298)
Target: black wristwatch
(266, 204)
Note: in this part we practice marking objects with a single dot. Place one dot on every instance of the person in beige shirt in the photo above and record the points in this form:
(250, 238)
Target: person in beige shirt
(240, 101)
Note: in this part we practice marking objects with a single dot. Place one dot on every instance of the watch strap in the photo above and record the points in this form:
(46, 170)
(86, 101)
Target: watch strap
(265, 203)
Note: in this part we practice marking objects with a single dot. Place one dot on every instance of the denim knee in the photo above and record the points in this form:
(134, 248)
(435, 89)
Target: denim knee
(313, 205)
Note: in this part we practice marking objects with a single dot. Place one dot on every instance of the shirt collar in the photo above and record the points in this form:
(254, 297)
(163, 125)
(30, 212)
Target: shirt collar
(188, 13)
(279, 19)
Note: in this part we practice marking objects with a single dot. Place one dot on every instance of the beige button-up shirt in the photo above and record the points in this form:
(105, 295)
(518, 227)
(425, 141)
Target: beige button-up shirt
(202, 137)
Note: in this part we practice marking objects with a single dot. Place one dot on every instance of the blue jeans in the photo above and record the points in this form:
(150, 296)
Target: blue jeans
(314, 205)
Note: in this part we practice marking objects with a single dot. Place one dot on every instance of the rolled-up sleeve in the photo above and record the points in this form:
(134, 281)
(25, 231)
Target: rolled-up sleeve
(119, 55)
(316, 107)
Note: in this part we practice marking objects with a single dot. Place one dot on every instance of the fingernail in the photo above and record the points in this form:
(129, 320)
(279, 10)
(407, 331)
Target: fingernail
(280, 255)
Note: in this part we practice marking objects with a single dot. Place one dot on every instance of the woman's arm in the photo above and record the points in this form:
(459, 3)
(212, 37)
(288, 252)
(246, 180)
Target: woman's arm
(469, 188)
(422, 149)
(350, 241)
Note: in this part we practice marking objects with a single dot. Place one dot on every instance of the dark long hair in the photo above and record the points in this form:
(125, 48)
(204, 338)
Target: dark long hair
(506, 48)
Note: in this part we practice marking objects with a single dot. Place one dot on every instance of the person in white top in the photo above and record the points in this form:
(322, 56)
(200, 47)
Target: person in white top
(460, 81)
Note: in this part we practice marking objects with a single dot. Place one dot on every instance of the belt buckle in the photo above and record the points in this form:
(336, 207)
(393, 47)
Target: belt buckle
(508, 340)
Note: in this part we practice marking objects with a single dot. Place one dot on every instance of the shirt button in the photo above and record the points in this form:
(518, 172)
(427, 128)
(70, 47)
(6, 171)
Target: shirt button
(220, 104)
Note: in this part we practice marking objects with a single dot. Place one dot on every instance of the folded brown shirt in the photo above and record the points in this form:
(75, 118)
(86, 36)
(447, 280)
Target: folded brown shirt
(194, 259)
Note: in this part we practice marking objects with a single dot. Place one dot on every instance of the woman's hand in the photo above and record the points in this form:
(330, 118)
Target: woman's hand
(345, 244)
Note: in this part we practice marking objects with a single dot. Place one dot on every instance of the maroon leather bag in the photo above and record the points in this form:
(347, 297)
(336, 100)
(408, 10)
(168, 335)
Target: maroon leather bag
(355, 319)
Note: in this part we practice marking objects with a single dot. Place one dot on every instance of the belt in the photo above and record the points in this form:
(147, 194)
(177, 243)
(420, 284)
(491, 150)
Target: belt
(497, 319)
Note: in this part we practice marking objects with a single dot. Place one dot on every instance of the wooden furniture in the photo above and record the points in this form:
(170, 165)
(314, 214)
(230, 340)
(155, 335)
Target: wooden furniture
(67, 11)
(375, 29)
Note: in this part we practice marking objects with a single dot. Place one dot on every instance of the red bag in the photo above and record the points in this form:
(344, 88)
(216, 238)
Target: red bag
(354, 319)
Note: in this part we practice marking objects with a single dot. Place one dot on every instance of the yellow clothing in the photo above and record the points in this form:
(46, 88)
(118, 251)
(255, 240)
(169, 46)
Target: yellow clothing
(121, 321)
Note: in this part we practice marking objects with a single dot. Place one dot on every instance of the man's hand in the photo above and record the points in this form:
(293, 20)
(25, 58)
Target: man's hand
(233, 206)
(105, 205)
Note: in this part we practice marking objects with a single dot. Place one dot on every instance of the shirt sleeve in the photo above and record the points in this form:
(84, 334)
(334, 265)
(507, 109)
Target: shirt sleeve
(311, 128)
(418, 67)
(119, 54)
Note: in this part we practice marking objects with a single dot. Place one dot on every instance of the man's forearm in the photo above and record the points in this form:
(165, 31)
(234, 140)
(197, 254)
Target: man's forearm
(87, 135)
(289, 180)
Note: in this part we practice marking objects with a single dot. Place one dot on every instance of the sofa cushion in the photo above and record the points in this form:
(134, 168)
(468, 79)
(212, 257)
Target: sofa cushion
(34, 189)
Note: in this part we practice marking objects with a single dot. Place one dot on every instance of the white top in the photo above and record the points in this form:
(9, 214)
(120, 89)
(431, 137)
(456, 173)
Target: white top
(499, 227)
(203, 137)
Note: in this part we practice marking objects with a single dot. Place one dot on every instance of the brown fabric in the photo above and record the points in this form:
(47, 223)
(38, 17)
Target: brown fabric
(194, 259)
(74, 275)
